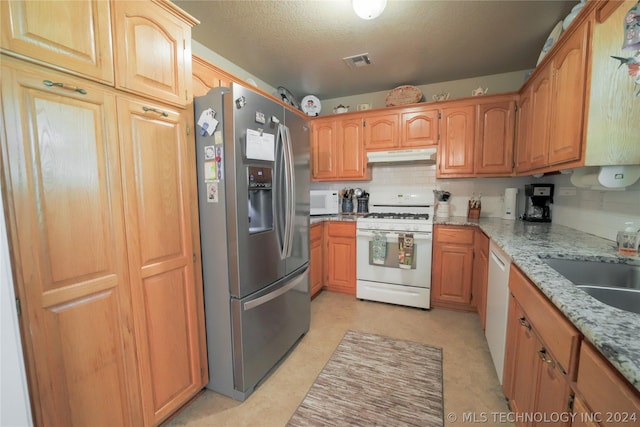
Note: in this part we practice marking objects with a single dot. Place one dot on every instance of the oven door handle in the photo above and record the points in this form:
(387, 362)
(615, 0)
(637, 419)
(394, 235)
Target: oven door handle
(416, 236)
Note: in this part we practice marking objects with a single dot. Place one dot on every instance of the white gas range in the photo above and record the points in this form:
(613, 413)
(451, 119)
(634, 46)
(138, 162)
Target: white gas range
(396, 222)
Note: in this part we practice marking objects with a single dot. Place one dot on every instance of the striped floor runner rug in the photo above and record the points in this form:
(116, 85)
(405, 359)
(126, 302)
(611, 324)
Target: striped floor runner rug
(373, 380)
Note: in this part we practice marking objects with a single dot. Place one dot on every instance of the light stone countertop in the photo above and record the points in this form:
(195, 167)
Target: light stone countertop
(321, 218)
(615, 332)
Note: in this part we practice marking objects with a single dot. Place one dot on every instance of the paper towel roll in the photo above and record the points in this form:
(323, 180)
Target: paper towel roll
(509, 211)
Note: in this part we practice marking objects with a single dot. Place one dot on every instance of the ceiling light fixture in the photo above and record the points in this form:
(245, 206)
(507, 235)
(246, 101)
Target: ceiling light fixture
(369, 9)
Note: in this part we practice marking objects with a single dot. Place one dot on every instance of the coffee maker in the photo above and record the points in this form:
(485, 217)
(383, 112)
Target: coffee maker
(537, 200)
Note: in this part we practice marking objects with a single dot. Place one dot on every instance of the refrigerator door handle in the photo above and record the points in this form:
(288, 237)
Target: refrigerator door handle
(281, 179)
(275, 294)
(291, 190)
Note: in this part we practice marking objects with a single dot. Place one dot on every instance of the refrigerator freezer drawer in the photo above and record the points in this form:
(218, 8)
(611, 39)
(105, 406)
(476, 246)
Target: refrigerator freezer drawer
(266, 326)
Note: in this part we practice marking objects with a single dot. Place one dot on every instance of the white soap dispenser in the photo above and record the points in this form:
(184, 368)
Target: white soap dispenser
(628, 240)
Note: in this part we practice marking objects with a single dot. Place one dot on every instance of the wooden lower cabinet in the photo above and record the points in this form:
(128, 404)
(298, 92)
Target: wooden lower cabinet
(66, 224)
(340, 256)
(452, 267)
(101, 233)
(603, 396)
(480, 275)
(161, 261)
(316, 264)
(541, 355)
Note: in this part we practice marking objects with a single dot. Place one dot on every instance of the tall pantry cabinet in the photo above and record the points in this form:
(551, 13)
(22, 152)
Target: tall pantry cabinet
(98, 182)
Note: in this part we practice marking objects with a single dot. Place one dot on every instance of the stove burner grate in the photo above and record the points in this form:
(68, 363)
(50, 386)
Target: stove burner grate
(395, 215)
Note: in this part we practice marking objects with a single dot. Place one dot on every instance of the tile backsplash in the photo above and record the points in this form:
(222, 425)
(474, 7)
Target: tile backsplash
(602, 213)
(421, 177)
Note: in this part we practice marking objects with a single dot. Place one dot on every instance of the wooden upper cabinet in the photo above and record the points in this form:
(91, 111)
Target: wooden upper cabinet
(73, 36)
(381, 131)
(206, 76)
(419, 127)
(569, 71)
(337, 149)
(152, 42)
(350, 149)
(523, 134)
(612, 129)
(66, 227)
(323, 149)
(457, 131)
(495, 138)
(540, 118)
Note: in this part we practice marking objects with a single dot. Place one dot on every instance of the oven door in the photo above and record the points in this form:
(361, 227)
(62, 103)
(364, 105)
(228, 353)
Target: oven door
(389, 271)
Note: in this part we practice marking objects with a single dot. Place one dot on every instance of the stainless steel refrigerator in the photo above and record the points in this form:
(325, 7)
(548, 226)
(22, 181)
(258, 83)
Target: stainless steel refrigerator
(253, 196)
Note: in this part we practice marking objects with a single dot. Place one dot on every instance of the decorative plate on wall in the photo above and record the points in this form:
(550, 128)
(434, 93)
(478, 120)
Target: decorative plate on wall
(311, 105)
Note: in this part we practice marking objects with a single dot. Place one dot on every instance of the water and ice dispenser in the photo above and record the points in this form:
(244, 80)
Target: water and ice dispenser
(260, 198)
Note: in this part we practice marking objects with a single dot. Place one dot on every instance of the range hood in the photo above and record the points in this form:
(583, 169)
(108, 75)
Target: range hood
(423, 155)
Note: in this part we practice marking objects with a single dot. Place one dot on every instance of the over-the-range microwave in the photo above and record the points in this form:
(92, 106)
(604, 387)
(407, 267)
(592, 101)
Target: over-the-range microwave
(324, 202)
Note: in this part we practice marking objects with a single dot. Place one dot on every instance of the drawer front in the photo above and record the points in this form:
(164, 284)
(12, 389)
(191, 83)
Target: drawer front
(557, 333)
(341, 229)
(605, 391)
(458, 235)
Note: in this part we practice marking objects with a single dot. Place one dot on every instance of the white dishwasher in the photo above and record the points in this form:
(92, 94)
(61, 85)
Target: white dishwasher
(497, 305)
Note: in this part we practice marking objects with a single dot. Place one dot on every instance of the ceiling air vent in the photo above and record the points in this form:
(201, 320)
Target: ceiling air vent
(357, 61)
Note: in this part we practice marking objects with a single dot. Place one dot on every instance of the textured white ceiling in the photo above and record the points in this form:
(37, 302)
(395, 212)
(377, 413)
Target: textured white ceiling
(300, 44)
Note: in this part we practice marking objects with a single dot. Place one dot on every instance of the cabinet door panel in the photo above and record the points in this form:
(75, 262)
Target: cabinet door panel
(74, 35)
(526, 365)
(316, 264)
(494, 143)
(350, 149)
(567, 110)
(523, 136)
(456, 147)
(160, 253)
(381, 132)
(340, 257)
(62, 171)
(553, 391)
(540, 116)
(419, 129)
(323, 149)
(152, 51)
(455, 282)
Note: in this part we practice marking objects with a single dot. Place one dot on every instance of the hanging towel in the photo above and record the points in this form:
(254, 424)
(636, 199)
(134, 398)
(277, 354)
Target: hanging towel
(379, 247)
(405, 250)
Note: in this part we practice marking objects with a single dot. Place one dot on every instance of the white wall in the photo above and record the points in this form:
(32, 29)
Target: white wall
(14, 396)
(496, 83)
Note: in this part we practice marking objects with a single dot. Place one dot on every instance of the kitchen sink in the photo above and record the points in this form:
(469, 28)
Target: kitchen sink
(617, 285)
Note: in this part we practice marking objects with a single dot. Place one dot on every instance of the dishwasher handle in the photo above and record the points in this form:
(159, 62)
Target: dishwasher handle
(501, 264)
